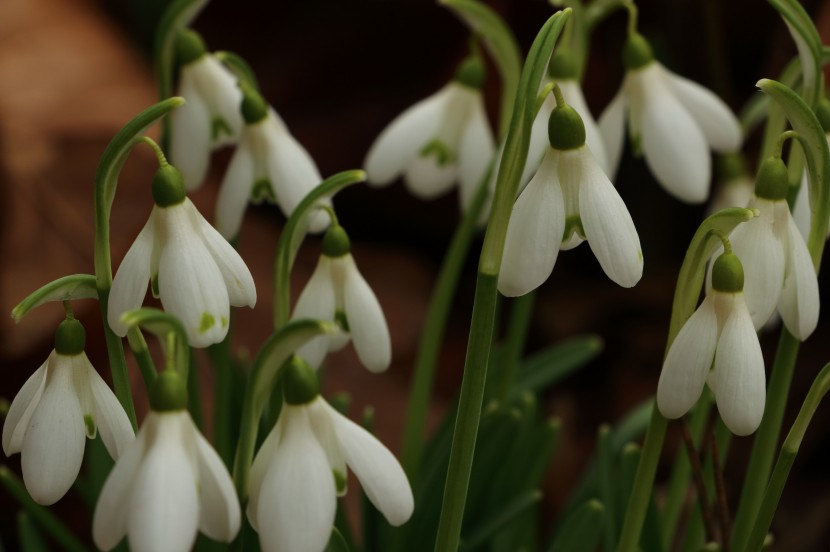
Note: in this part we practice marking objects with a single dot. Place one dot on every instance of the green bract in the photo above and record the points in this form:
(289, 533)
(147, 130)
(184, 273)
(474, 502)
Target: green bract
(336, 242)
(70, 338)
(168, 186)
(471, 72)
(566, 131)
(300, 385)
(254, 108)
(563, 66)
(168, 392)
(189, 47)
(772, 181)
(637, 52)
(728, 274)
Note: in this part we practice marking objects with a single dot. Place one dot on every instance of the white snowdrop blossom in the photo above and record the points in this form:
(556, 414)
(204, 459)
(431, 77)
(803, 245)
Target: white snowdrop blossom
(63, 403)
(301, 469)
(210, 117)
(268, 165)
(568, 200)
(717, 345)
(337, 292)
(197, 274)
(440, 140)
(167, 485)
(672, 119)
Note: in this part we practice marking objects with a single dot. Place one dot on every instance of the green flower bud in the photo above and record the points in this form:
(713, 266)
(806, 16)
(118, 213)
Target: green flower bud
(70, 338)
(299, 382)
(168, 392)
(471, 72)
(189, 47)
(562, 66)
(637, 52)
(254, 108)
(823, 114)
(336, 242)
(728, 274)
(168, 186)
(772, 181)
(566, 131)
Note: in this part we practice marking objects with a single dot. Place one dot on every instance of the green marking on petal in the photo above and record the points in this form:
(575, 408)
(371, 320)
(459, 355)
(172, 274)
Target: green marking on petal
(342, 321)
(154, 285)
(637, 145)
(89, 425)
(224, 321)
(340, 481)
(218, 127)
(208, 321)
(442, 152)
(573, 224)
(262, 191)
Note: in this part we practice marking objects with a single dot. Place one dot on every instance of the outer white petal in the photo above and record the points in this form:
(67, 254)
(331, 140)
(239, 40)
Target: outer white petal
(236, 188)
(297, 501)
(799, 303)
(427, 180)
(539, 143)
(475, 151)
(262, 463)
(130, 283)
(688, 362)
(759, 246)
(673, 144)
(367, 324)
(612, 129)
(719, 125)
(321, 422)
(403, 139)
(190, 284)
(317, 301)
(235, 273)
(221, 93)
(534, 232)
(53, 446)
(740, 387)
(219, 516)
(607, 223)
(572, 92)
(113, 425)
(801, 208)
(109, 524)
(379, 472)
(190, 133)
(22, 408)
(163, 511)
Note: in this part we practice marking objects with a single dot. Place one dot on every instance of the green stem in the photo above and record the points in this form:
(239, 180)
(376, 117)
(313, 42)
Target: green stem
(517, 328)
(220, 357)
(118, 364)
(194, 392)
(142, 356)
(607, 486)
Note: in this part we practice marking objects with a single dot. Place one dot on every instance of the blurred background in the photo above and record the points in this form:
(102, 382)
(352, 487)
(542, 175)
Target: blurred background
(72, 72)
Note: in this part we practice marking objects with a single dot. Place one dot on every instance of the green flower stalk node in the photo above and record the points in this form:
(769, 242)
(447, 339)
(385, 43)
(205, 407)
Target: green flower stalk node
(772, 181)
(254, 108)
(637, 52)
(336, 242)
(189, 47)
(728, 274)
(566, 131)
(168, 186)
(70, 338)
(471, 72)
(169, 392)
(300, 384)
(563, 66)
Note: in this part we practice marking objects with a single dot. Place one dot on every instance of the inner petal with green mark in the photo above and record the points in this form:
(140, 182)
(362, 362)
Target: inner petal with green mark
(442, 152)
(207, 322)
(262, 191)
(89, 425)
(573, 224)
(219, 127)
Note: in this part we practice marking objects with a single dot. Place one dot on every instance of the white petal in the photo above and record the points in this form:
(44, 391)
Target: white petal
(235, 273)
(113, 424)
(719, 125)
(612, 129)
(740, 387)
(801, 208)
(367, 324)
(799, 303)
(673, 144)
(235, 189)
(475, 151)
(130, 283)
(427, 180)
(21, 410)
(572, 92)
(220, 516)
(607, 223)
(53, 446)
(221, 93)
(403, 139)
(297, 501)
(190, 134)
(262, 463)
(190, 284)
(321, 422)
(163, 511)
(688, 362)
(317, 302)
(539, 142)
(379, 472)
(534, 232)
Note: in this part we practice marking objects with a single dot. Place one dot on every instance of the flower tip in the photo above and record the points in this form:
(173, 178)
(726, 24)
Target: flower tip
(178, 101)
(763, 84)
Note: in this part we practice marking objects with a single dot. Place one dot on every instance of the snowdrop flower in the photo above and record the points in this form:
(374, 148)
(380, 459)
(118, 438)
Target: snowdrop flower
(301, 469)
(269, 165)
(168, 484)
(439, 140)
(195, 272)
(210, 118)
(717, 345)
(778, 267)
(674, 120)
(61, 404)
(569, 199)
(338, 292)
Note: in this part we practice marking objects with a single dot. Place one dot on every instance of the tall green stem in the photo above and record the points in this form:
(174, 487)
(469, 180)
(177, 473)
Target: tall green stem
(517, 328)
(220, 357)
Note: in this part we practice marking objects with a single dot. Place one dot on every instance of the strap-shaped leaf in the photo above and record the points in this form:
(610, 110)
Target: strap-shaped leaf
(68, 288)
(582, 530)
(808, 42)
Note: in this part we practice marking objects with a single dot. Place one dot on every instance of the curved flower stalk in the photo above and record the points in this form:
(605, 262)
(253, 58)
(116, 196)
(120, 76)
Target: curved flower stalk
(569, 199)
(64, 402)
(802, 208)
(673, 120)
(168, 484)
(293, 496)
(438, 141)
(337, 292)
(717, 345)
(195, 272)
(210, 118)
(269, 165)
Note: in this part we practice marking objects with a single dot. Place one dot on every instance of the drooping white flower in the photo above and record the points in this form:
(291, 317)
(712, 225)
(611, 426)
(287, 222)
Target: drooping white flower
(168, 485)
(337, 292)
(301, 469)
(570, 199)
(717, 345)
(440, 140)
(197, 274)
(60, 405)
(210, 117)
(674, 120)
(268, 165)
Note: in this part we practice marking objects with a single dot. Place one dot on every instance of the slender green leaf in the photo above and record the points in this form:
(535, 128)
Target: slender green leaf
(68, 288)
(549, 367)
(607, 480)
(28, 535)
(581, 531)
(491, 525)
(808, 41)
